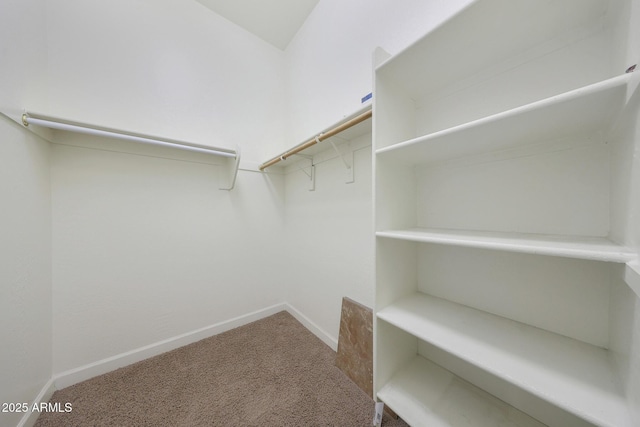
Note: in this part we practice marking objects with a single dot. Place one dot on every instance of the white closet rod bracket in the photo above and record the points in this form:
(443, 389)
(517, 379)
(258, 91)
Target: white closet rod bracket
(312, 170)
(230, 172)
(313, 141)
(231, 157)
(349, 179)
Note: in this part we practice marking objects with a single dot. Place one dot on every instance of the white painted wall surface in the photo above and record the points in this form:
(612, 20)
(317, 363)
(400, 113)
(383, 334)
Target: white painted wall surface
(25, 269)
(329, 68)
(328, 238)
(25, 213)
(165, 67)
(147, 248)
(23, 54)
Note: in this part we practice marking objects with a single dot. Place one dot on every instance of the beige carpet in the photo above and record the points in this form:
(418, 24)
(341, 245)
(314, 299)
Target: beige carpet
(272, 372)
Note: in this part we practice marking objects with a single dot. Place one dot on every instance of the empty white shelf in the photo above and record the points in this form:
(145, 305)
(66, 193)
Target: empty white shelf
(589, 248)
(425, 394)
(570, 374)
(583, 111)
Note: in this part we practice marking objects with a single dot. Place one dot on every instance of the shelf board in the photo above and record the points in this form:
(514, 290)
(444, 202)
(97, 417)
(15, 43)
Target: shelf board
(584, 111)
(477, 36)
(570, 374)
(423, 393)
(348, 134)
(589, 248)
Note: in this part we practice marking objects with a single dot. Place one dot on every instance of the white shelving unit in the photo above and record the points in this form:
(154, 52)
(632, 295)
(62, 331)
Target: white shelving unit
(504, 148)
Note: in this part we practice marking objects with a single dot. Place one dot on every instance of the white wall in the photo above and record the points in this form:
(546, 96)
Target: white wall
(165, 67)
(145, 247)
(25, 270)
(329, 69)
(23, 53)
(25, 211)
(329, 238)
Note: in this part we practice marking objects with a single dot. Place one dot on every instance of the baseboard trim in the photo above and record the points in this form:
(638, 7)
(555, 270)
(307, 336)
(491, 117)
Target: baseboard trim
(83, 373)
(30, 418)
(311, 326)
(74, 376)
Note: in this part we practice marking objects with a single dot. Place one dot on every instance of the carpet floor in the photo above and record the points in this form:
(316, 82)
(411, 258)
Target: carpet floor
(272, 372)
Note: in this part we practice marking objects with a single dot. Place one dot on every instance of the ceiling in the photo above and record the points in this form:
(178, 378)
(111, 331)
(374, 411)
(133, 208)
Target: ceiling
(274, 21)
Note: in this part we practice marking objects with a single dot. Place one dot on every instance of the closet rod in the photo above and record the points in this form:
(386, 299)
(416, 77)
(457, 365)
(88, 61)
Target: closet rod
(328, 134)
(68, 125)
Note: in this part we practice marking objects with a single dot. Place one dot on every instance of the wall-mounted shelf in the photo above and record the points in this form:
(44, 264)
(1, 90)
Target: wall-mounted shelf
(351, 126)
(231, 157)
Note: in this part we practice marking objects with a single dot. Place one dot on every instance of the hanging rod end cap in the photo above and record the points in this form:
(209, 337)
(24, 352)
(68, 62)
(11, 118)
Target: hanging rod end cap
(24, 119)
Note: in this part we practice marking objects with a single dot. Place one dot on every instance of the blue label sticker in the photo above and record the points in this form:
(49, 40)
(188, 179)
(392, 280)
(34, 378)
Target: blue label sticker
(366, 98)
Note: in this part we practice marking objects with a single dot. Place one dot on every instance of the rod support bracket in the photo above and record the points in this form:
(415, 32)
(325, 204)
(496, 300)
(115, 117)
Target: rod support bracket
(312, 170)
(229, 171)
(25, 122)
(350, 176)
(347, 159)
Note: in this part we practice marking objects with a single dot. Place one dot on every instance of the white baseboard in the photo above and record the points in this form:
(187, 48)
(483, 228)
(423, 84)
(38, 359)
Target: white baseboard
(311, 326)
(68, 378)
(30, 418)
(74, 376)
